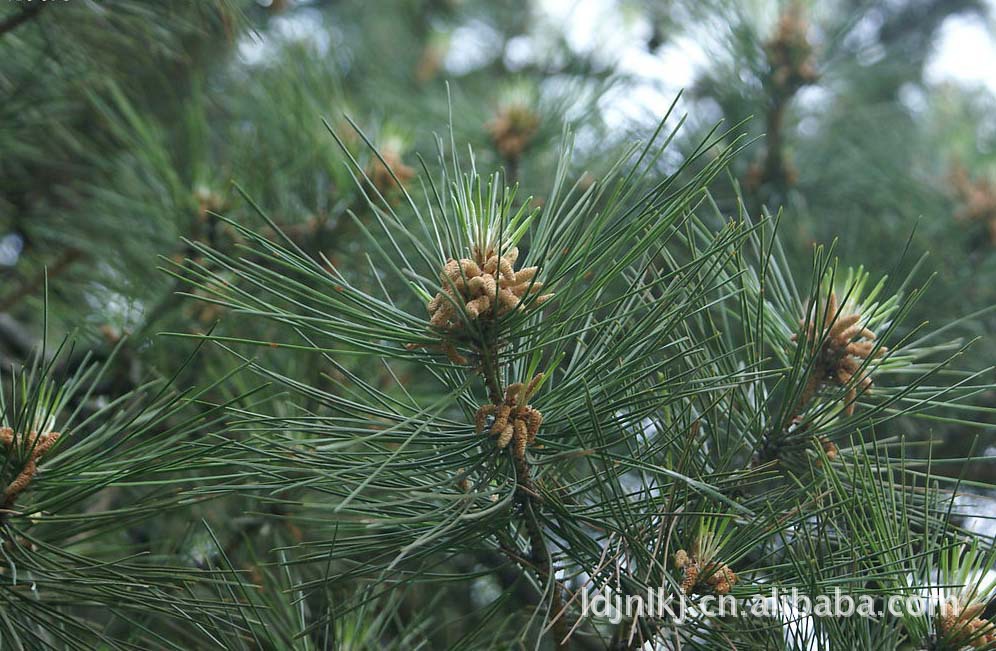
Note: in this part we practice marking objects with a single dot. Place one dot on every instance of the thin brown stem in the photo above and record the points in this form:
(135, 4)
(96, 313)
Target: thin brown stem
(489, 369)
(541, 560)
(774, 159)
(770, 446)
(528, 500)
(512, 169)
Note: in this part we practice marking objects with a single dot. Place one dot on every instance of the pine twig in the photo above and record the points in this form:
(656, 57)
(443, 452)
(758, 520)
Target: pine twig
(527, 500)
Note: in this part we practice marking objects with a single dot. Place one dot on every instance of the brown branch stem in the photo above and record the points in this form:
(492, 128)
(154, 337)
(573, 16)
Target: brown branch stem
(528, 500)
(774, 156)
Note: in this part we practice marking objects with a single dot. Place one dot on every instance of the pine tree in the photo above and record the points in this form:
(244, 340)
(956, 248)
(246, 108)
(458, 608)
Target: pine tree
(336, 325)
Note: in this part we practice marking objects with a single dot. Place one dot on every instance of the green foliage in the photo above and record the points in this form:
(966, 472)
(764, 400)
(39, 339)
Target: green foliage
(674, 358)
(446, 355)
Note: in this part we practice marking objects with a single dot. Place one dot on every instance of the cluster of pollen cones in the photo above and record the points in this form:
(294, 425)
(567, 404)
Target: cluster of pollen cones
(977, 198)
(512, 129)
(38, 444)
(790, 54)
(846, 345)
(515, 422)
(482, 287)
(964, 625)
(830, 448)
(715, 575)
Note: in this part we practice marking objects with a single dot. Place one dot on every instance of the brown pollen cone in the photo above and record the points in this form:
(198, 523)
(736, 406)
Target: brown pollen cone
(840, 347)
(829, 448)
(790, 55)
(977, 200)
(481, 288)
(37, 445)
(963, 625)
(513, 129)
(715, 576)
(379, 171)
(515, 422)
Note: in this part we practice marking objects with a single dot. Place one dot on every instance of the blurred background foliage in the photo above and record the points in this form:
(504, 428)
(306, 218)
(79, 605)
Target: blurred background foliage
(125, 124)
